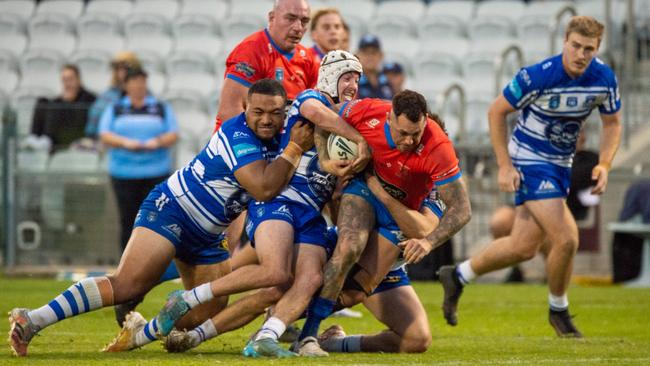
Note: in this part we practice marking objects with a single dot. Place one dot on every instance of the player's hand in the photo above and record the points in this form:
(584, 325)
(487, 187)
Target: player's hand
(364, 156)
(414, 250)
(341, 183)
(600, 174)
(339, 168)
(130, 144)
(152, 144)
(303, 135)
(509, 179)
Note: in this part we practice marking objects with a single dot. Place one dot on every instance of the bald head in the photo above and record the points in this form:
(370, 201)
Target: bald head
(288, 23)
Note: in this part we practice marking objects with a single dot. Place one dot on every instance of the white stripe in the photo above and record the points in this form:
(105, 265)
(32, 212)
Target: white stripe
(65, 306)
(224, 150)
(582, 113)
(292, 194)
(526, 99)
(578, 89)
(77, 296)
(206, 213)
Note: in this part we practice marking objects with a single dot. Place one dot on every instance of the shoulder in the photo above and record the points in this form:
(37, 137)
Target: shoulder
(311, 94)
(601, 70)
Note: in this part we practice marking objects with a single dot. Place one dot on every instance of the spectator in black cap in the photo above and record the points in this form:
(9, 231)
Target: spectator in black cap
(395, 74)
(373, 82)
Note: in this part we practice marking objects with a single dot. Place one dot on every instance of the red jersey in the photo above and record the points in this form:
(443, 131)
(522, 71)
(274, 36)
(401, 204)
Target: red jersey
(410, 176)
(315, 53)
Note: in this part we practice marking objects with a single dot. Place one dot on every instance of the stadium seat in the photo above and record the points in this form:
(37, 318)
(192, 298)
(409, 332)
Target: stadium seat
(63, 43)
(402, 51)
(50, 24)
(150, 61)
(167, 9)
(9, 81)
(21, 8)
(188, 62)
(546, 9)
(210, 46)
(98, 23)
(145, 25)
(158, 44)
(156, 82)
(183, 100)
(40, 61)
(212, 102)
(256, 8)
(436, 63)
(15, 44)
(118, 8)
(193, 123)
(185, 150)
(479, 74)
(111, 43)
(461, 9)
(194, 25)
(395, 27)
(94, 67)
(412, 9)
(33, 161)
(69, 8)
(237, 27)
(458, 47)
(534, 34)
(477, 127)
(490, 28)
(10, 24)
(202, 83)
(23, 101)
(351, 10)
(8, 61)
(218, 10)
(441, 27)
(74, 161)
(512, 9)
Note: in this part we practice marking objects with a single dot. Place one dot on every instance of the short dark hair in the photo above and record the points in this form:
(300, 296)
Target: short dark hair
(72, 67)
(411, 104)
(267, 87)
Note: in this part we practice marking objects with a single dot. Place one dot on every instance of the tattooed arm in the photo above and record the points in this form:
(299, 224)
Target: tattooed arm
(458, 213)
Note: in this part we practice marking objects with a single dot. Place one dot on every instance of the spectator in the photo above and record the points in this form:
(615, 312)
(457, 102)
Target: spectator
(395, 74)
(373, 82)
(61, 120)
(120, 63)
(139, 130)
(326, 32)
(345, 37)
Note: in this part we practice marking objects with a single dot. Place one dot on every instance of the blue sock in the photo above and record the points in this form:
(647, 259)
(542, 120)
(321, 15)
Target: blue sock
(170, 273)
(319, 309)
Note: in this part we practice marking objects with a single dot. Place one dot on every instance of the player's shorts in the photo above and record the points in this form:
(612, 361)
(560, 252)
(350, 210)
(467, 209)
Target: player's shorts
(161, 213)
(308, 224)
(394, 279)
(385, 224)
(542, 181)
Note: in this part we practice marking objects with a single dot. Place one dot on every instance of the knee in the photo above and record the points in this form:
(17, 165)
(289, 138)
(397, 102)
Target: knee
(278, 278)
(525, 253)
(416, 343)
(352, 243)
(501, 222)
(127, 288)
(310, 282)
(567, 245)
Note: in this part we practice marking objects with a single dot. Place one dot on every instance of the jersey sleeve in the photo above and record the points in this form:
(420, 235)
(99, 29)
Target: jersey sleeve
(446, 169)
(612, 103)
(238, 148)
(354, 111)
(245, 65)
(522, 89)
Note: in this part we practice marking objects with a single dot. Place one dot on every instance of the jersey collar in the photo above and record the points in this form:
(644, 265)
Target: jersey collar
(288, 55)
(318, 51)
(389, 138)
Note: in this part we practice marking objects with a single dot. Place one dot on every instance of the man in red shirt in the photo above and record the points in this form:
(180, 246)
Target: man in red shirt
(411, 154)
(274, 52)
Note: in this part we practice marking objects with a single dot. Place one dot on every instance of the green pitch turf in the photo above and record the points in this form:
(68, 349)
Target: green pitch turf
(498, 325)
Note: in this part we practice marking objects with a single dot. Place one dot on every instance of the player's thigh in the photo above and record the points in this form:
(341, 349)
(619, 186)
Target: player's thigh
(310, 260)
(274, 244)
(355, 221)
(526, 235)
(144, 260)
(554, 218)
(401, 311)
(376, 260)
(244, 256)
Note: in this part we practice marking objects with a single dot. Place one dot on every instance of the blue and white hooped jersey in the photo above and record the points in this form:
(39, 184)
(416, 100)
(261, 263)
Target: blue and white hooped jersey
(309, 184)
(553, 107)
(206, 187)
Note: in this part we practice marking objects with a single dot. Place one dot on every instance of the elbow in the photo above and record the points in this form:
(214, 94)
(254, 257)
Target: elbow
(264, 194)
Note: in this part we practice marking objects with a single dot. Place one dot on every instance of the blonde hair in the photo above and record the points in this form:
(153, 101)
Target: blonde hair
(585, 26)
(126, 58)
(322, 12)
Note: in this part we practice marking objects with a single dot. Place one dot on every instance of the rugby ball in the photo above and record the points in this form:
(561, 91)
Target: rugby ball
(340, 148)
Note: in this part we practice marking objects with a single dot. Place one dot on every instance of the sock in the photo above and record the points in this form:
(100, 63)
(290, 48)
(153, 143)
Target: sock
(147, 334)
(272, 328)
(465, 273)
(198, 295)
(558, 303)
(319, 309)
(79, 298)
(202, 333)
(344, 344)
(171, 273)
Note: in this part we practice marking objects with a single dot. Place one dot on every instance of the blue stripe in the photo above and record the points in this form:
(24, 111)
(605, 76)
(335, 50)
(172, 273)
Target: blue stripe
(201, 333)
(345, 105)
(389, 138)
(450, 179)
(196, 296)
(72, 301)
(288, 55)
(148, 334)
(82, 292)
(54, 305)
(154, 323)
(245, 83)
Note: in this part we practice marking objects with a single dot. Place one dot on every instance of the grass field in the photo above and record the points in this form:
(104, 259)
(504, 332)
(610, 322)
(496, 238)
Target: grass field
(499, 325)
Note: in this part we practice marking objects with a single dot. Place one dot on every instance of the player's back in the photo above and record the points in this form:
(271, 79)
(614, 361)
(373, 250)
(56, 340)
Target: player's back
(554, 106)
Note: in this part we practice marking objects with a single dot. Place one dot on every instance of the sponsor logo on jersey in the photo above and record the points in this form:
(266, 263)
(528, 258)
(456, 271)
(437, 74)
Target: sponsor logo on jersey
(399, 235)
(239, 135)
(373, 123)
(283, 210)
(351, 104)
(174, 229)
(393, 190)
(152, 216)
(260, 211)
(279, 74)
(235, 204)
(563, 135)
(245, 149)
(546, 186)
(546, 65)
(320, 183)
(524, 76)
(161, 202)
(245, 68)
(515, 89)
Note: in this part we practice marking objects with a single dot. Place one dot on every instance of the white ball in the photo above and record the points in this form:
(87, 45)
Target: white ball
(341, 148)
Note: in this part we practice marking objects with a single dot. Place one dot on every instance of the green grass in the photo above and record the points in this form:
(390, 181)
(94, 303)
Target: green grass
(499, 325)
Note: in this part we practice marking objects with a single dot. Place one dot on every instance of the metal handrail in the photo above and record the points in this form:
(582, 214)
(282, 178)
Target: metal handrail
(555, 26)
(441, 100)
(499, 64)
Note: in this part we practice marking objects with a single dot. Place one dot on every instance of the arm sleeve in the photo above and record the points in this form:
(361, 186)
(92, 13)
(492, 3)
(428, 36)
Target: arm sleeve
(105, 120)
(612, 103)
(446, 169)
(244, 65)
(354, 111)
(522, 89)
